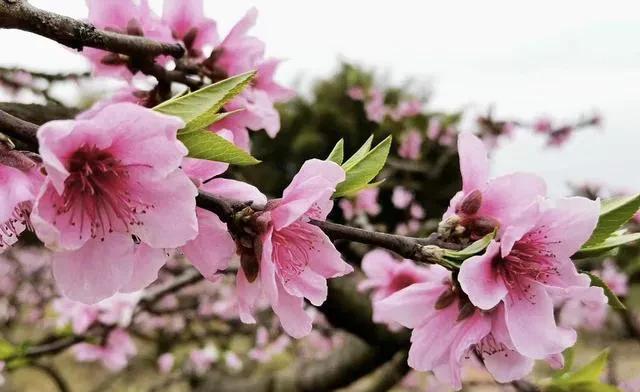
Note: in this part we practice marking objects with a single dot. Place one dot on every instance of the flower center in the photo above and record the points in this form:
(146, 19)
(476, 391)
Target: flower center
(528, 260)
(402, 280)
(291, 247)
(96, 192)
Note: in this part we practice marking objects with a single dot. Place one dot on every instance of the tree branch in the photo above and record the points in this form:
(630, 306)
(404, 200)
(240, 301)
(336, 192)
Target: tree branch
(19, 14)
(21, 130)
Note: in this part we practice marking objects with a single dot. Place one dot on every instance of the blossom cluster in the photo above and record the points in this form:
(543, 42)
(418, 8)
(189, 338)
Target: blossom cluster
(209, 57)
(500, 306)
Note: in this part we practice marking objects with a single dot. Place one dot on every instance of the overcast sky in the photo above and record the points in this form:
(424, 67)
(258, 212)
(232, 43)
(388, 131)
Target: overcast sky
(561, 58)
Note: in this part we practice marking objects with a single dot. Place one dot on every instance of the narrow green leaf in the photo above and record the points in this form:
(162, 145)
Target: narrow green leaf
(337, 154)
(613, 214)
(6, 349)
(365, 170)
(585, 379)
(591, 371)
(471, 250)
(199, 109)
(605, 246)
(359, 155)
(614, 301)
(204, 144)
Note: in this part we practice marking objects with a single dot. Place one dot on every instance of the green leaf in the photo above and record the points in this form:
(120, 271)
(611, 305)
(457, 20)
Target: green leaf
(204, 144)
(614, 301)
(337, 154)
(359, 155)
(199, 109)
(586, 379)
(360, 173)
(471, 250)
(6, 350)
(613, 214)
(605, 246)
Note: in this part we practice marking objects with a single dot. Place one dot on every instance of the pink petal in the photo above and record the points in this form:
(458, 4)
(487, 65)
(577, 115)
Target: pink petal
(95, 271)
(248, 294)
(171, 222)
(408, 306)
(522, 225)
(267, 267)
(235, 190)
(202, 169)
(182, 15)
(378, 263)
(15, 189)
(213, 248)
(152, 133)
(146, 265)
(480, 280)
(112, 13)
(508, 365)
(474, 163)
(506, 198)
(309, 285)
(569, 224)
(313, 185)
(290, 311)
(532, 325)
(327, 261)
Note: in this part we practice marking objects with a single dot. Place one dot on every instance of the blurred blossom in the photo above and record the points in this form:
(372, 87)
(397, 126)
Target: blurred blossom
(165, 363)
(356, 93)
(202, 359)
(411, 145)
(114, 355)
(375, 108)
(416, 211)
(542, 125)
(401, 197)
(232, 361)
(614, 278)
(406, 109)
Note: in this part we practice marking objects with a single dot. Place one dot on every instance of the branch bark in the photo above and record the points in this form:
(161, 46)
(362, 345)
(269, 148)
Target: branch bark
(19, 14)
(21, 130)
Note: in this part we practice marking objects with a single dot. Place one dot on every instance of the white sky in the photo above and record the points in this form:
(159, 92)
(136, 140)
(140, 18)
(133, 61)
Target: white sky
(561, 58)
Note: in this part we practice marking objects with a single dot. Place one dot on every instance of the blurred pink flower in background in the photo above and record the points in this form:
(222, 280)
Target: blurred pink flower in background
(114, 355)
(411, 145)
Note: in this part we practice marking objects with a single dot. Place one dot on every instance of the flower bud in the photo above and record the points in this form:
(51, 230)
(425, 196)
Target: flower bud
(190, 37)
(250, 265)
(482, 226)
(471, 203)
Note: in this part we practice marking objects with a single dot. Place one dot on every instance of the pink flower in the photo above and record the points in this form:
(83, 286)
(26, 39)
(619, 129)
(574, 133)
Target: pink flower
(614, 278)
(401, 197)
(264, 81)
(21, 181)
(126, 17)
(356, 93)
(100, 192)
(385, 276)
(366, 203)
(294, 258)
(543, 125)
(114, 355)
(240, 52)
(416, 211)
(531, 266)
(188, 24)
(578, 313)
(411, 145)
(232, 361)
(447, 329)
(255, 111)
(375, 107)
(202, 359)
(165, 363)
(126, 94)
(79, 315)
(484, 205)
(406, 109)
(211, 230)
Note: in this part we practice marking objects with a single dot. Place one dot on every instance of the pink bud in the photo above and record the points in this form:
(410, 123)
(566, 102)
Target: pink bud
(471, 203)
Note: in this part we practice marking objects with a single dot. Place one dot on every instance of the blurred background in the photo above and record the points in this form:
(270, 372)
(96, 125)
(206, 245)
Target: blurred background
(561, 59)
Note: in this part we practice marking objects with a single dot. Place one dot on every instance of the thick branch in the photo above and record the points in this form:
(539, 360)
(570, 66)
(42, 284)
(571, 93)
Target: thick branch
(19, 14)
(21, 130)
(38, 114)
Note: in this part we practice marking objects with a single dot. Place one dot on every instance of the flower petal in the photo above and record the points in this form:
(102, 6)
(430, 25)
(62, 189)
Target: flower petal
(290, 310)
(147, 263)
(480, 280)
(95, 271)
(213, 248)
(474, 163)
